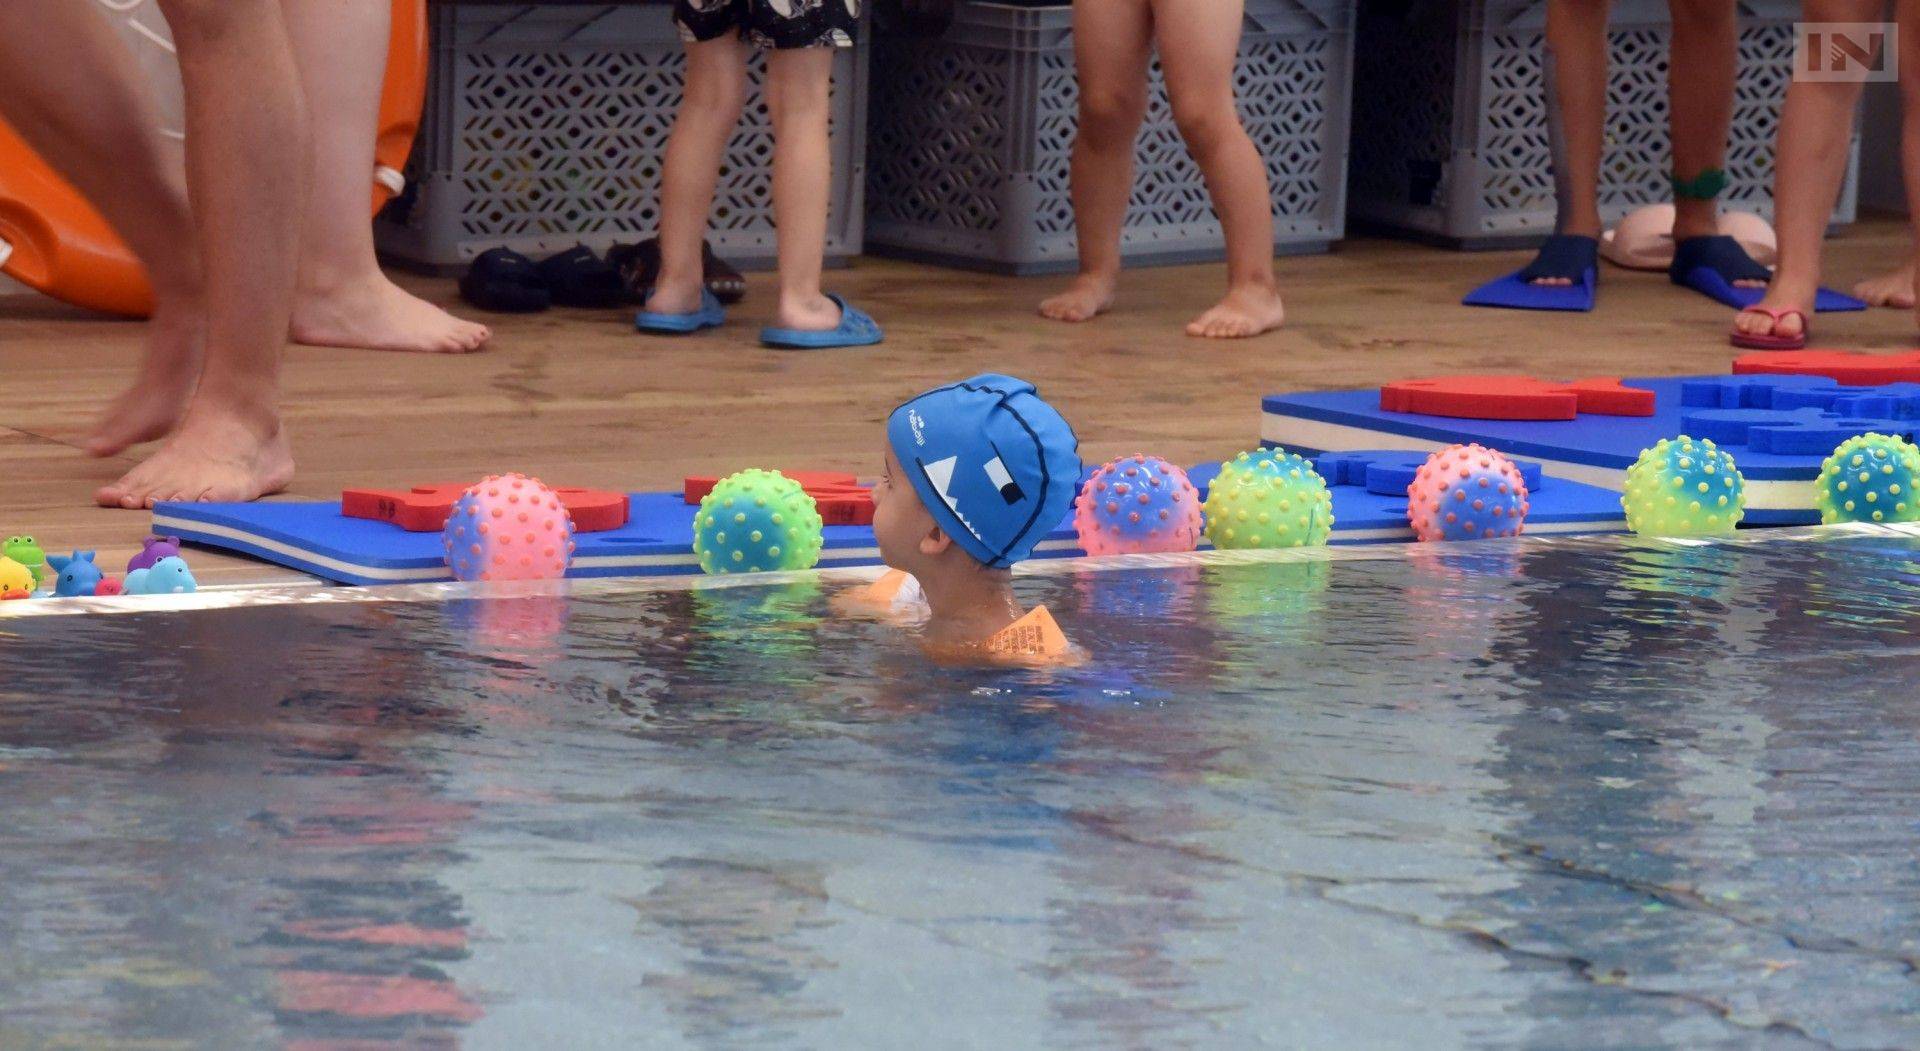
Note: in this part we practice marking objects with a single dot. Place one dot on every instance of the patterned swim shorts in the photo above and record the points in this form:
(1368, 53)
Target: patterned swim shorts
(770, 23)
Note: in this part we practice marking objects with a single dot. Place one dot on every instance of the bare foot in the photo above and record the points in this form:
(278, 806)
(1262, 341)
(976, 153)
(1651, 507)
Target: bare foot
(1891, 289)
(675, 299)
(1754, 323)
(151, 407)
(1088, 297)
(1247, 310)
(216, 455)
(373, 313)
(814, 313)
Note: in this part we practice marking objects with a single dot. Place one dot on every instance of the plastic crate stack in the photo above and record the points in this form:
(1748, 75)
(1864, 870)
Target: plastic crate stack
(971, 133)
(1450, 138)
(546, 126)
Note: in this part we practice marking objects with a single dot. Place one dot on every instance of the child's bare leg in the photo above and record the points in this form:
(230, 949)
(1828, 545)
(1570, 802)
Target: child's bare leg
(1112, 41)
(68, 86)
(246, 170)
(1577, 101)
(344, 300)
(1907, 18)
(1809, 165)
(1700, 98)
(798, 80)
(1199, 43)
(710, 105)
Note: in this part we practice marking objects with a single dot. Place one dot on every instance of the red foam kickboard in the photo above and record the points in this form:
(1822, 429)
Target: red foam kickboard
(425, 508)
(1515, 398)
(1847, 367)
(841, 498)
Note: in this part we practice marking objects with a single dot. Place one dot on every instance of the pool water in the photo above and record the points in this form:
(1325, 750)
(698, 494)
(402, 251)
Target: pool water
(1579, 793)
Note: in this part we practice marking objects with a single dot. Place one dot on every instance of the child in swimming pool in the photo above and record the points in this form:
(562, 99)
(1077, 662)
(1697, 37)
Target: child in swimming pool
(799, 39)
(1199, 41)
(976, 474)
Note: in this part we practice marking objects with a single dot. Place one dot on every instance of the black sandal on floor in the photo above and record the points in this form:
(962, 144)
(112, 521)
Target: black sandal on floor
(639, 266)
(505, 282)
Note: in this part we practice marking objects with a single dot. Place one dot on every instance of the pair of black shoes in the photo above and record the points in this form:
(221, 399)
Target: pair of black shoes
(506, 282)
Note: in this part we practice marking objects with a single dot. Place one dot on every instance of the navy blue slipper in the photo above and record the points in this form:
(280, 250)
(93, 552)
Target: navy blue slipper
(1710, 266)
(504, 282)
(1571, 256)
(578, 277)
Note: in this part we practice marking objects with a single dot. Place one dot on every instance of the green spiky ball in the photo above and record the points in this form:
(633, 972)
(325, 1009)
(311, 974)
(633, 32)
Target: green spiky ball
(756, 522)
(1268, 499)
(1683, 487)
(1870, 478)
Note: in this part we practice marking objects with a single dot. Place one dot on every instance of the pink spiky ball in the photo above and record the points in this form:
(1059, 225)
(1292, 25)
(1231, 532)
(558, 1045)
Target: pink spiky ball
(1467, 492)
(509, 527)
(1137, 505)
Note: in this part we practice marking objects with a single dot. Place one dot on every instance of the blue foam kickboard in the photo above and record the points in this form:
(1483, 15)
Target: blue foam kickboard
(314, 537)
(1777, 428)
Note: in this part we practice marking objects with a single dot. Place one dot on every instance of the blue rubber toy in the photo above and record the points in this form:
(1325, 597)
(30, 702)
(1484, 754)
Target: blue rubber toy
(856, 329)
(169, 576)
(1870, 478)
(710, 315)
(78, 576)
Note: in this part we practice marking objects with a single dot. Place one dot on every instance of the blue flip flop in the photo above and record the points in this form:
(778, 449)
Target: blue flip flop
(1563, 255)
(1711, 265)
(856, 329)
(710, 315)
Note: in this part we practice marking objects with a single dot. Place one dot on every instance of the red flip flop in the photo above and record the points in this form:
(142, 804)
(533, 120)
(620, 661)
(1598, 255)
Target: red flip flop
(1756, 341)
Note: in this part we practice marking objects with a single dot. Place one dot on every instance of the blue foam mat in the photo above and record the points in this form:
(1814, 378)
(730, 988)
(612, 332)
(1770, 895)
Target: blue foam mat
(313, 537)
(1778, 429)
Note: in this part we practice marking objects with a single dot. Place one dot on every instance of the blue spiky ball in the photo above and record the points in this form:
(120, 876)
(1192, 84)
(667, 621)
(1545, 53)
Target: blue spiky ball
(1684, 487)
(757, 522)
(1870, 478)
(1137, 505)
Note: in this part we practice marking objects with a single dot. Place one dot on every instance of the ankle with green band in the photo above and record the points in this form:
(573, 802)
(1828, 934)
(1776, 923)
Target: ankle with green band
(1703, 187)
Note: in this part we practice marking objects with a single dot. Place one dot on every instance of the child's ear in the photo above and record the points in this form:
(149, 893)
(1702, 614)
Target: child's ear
(935, 542)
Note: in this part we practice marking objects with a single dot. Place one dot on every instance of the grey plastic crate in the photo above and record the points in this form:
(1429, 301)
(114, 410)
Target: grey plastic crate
(1450, 137)
(546, 126)
(971, 135)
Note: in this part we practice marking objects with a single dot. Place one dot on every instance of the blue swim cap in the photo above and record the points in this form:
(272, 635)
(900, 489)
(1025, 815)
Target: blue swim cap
(996, 466)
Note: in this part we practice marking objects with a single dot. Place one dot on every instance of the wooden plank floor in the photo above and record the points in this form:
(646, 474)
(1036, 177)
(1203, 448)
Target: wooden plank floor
(577, 397)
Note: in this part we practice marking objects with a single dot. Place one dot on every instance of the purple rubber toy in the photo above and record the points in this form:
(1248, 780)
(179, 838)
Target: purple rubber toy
(157, 548)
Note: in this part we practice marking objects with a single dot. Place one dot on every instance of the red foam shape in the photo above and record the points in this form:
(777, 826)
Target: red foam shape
(1607, 396)
(425, 508)
(1515, 398)
(698, 486)
(1847, 367)
(840, 496)
(845, 507)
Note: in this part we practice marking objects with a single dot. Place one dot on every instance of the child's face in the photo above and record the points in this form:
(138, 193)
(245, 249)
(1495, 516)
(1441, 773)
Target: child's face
(906, 533)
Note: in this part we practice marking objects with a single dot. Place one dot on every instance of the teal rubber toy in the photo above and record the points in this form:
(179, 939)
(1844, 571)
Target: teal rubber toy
(757, 522)
(1869, 478)
(1684, 487)
(1268, 499)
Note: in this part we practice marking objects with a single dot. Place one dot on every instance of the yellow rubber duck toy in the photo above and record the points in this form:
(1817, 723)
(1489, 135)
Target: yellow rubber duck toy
(16, 580)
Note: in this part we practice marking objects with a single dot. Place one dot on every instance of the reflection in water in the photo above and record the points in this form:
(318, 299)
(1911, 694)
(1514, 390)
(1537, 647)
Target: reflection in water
(1604, 793)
